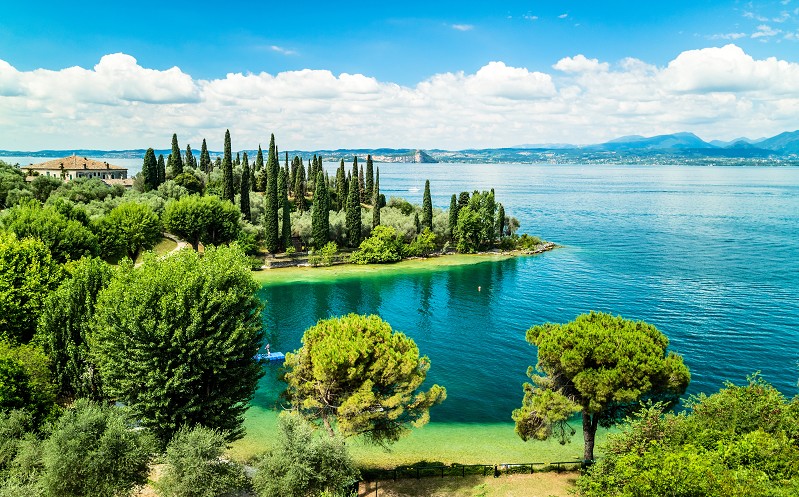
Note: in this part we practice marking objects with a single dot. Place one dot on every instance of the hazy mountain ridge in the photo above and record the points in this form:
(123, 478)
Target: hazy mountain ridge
(672, 148)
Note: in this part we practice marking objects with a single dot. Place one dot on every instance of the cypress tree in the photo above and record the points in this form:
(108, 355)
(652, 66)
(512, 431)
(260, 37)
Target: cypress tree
(376, 201)
(281, 185)
(354, 209)
(299, 182)
(300, 203)
(205, 159)
(177, 161)
(427, 207)
(285, 232)
(361, 186)
(320, 217)
(309, 177)
(227, 171)
(292, 179)
(501, 221)
(190, 157)
(161, 169)
(370, 177)
(270, 216)
(150, 170)
(416, 222)
(260, 177)
(216, 164)
(238, 159)
(463, 200)
(244, 201)
(453, 216)
(341, 186)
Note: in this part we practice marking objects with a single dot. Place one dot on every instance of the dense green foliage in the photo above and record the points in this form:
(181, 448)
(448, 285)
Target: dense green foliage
(85, 190)
(64, 325)
(303, 464)
(601, 366)
(195, 468)
(25, 380)
(67, 239)
(359, 372)
(92, 452)
(320, 213)
(174, 340)
(128, 229)
(11, 178)
(743, 440)
(27, 274)
(206, 220)
(384, 245)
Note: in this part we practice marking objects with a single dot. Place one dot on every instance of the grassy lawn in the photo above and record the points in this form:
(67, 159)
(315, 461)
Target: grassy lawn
(535, 485)
(305, 274)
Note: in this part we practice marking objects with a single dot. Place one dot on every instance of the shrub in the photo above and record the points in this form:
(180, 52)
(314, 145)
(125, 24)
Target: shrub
(324, 256)
(422, 245)
(195, 468)
(93, 452)
(383, 246)
(527, 242)
(303, 463)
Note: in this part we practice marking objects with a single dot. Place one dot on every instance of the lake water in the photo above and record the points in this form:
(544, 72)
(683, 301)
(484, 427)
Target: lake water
(709, 255)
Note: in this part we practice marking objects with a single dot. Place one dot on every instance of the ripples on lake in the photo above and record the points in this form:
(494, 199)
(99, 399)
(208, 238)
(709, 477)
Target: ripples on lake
(708, 255)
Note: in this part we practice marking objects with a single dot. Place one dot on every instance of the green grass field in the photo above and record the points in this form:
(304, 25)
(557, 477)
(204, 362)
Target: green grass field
(344, 271)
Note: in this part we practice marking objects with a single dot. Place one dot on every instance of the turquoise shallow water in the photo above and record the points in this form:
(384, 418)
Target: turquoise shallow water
(709, 255)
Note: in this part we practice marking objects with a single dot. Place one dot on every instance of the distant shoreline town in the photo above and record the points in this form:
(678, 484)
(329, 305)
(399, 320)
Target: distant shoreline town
(677, 148)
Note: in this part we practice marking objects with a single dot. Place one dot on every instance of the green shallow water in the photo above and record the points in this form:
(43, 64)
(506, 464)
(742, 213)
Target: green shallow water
(464, 443)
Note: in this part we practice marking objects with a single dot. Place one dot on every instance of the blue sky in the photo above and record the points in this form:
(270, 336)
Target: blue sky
(404, 44)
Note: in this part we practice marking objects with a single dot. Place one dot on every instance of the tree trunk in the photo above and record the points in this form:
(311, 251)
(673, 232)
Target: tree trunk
(327, 426)
(589, 434)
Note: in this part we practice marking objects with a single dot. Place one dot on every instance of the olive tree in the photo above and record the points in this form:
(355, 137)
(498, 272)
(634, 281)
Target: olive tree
(600, 366)
(359, 372)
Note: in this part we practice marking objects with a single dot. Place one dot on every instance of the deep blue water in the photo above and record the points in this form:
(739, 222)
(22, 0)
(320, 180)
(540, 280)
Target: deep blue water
(709, 255)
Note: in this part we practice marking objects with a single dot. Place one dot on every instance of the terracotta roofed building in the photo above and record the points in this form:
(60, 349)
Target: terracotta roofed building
(73, 167)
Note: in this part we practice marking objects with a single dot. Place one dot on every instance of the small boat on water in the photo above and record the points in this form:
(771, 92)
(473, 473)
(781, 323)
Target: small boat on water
(271, 357)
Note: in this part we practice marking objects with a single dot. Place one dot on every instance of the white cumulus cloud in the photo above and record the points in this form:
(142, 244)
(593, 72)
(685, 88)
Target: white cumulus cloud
(719, 92)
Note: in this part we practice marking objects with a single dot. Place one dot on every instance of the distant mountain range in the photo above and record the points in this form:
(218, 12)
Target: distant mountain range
(673, 148)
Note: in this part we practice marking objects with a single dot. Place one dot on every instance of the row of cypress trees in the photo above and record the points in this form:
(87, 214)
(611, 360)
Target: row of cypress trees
(345, 193)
